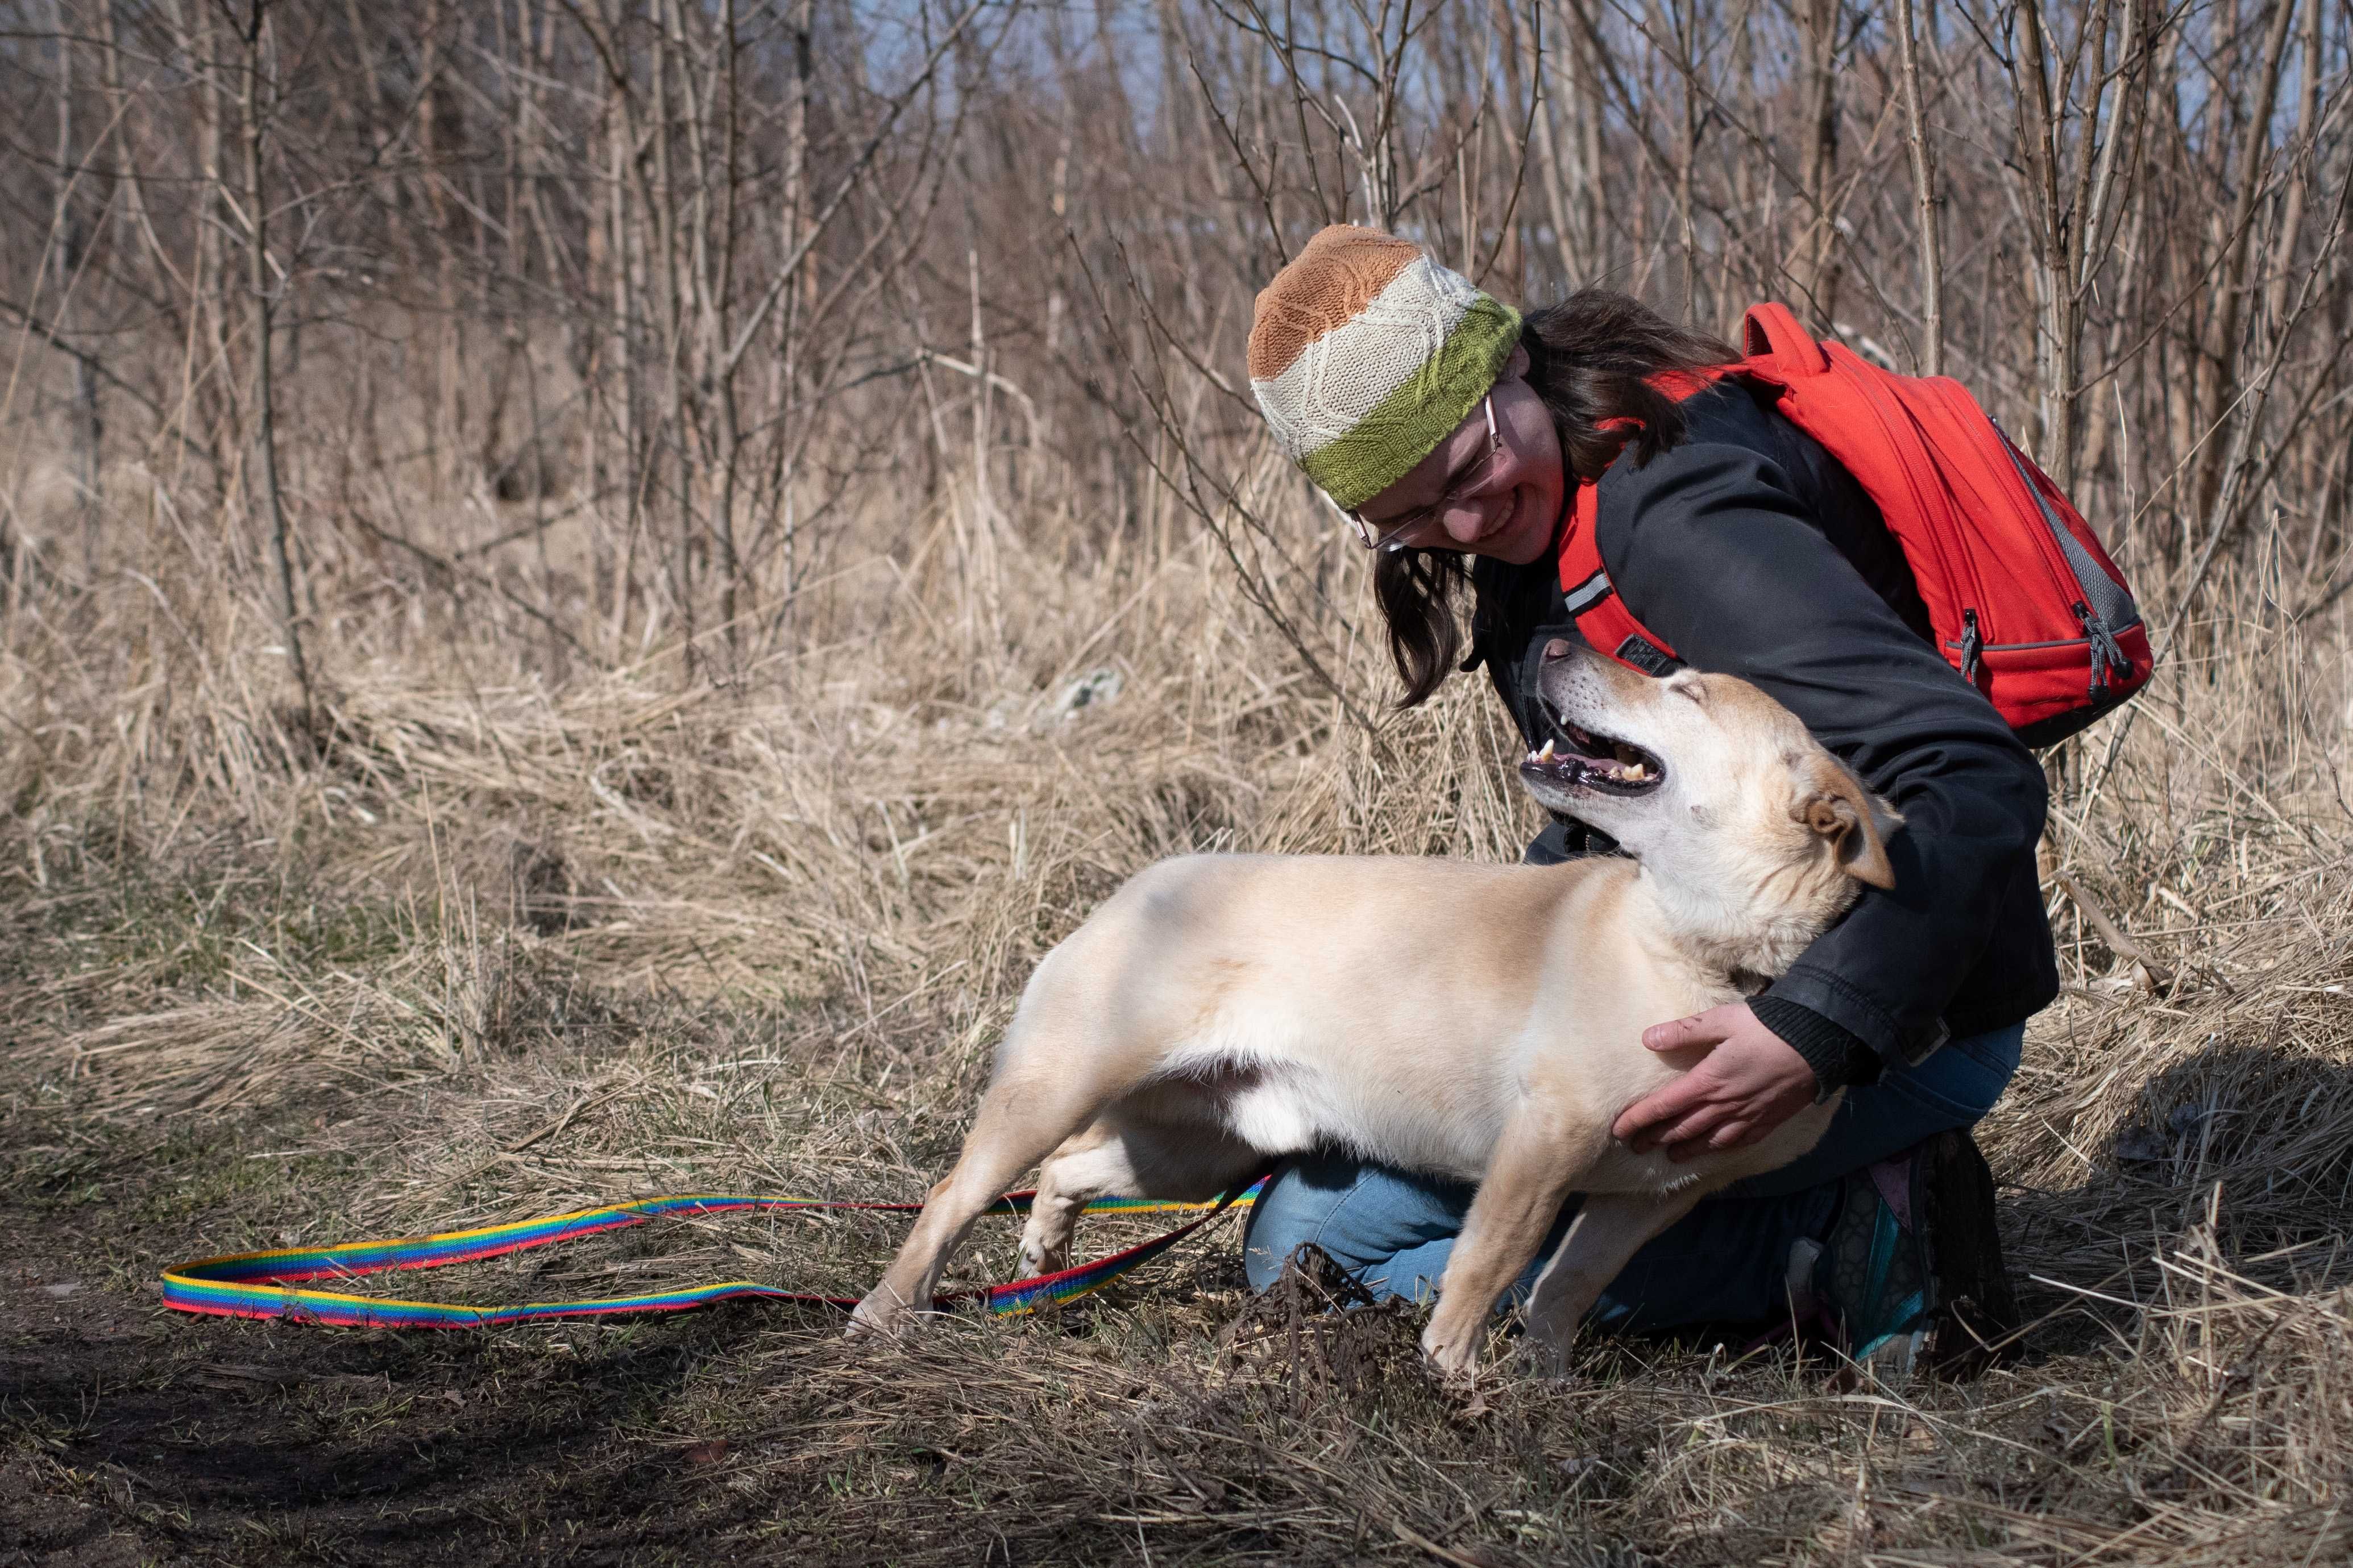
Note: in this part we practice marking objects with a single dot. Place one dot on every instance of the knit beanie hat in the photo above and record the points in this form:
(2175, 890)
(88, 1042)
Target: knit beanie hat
(1365, 355)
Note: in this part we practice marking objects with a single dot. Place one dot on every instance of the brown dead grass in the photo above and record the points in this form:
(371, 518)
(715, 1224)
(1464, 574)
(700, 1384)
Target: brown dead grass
(507, 934)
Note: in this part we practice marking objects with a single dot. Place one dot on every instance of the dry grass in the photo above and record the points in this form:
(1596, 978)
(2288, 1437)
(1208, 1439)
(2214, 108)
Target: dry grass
(507, 933)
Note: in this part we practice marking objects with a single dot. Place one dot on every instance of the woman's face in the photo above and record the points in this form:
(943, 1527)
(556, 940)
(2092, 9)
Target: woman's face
(1511, 510)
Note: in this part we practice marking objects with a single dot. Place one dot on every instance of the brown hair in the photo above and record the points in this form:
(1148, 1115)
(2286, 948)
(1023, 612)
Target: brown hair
(1589, 359)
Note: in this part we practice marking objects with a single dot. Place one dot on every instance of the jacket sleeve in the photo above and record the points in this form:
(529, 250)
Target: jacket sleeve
(1711, 546)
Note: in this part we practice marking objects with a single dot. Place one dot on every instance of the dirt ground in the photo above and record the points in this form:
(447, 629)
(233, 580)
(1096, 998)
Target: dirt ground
(140, 1436)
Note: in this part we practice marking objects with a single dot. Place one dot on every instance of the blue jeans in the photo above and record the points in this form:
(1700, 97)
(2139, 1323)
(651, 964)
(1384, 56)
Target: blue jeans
(1724, 1262)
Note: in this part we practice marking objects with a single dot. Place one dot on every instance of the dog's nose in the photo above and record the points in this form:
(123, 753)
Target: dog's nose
(1558, 647)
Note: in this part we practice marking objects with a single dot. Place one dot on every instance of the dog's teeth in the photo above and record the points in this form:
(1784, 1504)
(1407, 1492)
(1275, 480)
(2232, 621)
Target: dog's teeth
(1638, 772)
(1545, 755)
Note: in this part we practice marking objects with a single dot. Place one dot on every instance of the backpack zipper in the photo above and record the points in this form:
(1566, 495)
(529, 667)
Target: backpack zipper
(1972, 646)
(2106, 650)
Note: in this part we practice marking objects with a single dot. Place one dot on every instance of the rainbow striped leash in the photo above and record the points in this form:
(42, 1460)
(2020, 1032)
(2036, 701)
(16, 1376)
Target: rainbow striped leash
(261, 1284)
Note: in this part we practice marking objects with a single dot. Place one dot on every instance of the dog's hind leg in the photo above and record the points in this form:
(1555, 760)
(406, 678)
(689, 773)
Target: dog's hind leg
(1536, 1163)
(1608, 1229)
(1021, 1121)
(1055, 1073)
(1124, 1155)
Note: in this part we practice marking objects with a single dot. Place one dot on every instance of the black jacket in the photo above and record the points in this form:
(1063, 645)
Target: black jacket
(1751, 551)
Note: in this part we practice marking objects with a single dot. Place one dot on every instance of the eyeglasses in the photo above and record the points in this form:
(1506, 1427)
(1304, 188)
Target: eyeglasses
(1397, 532)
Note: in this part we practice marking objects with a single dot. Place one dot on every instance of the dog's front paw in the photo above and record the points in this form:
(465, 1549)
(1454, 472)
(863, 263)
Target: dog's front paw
(1546, 1355)
(1452, 1348)
(1550, 1331)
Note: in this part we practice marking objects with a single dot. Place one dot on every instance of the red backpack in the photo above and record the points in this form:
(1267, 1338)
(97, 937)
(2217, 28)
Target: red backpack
(2022, 600)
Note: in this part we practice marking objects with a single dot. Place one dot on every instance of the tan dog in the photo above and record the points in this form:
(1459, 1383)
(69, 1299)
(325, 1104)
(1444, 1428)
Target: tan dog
(1481, 1022)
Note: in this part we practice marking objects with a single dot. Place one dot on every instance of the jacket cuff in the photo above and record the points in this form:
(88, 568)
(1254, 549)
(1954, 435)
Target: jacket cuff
(1839, 1058)
(1820, 990)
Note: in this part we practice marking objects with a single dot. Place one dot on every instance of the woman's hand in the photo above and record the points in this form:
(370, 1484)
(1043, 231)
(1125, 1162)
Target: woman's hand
(1749, 1081)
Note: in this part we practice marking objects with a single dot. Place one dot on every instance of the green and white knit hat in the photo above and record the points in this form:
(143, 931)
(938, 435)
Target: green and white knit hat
(1365, 355)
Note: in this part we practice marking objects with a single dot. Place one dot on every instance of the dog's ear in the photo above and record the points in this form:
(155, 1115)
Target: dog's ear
(1857, 822)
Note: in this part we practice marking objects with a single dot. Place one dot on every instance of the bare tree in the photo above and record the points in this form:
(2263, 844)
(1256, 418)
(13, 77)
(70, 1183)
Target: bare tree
(638, 321)
(256, 103)
(1923, 189)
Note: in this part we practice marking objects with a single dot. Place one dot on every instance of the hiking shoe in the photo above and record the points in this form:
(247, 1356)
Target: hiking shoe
(1911, 1270)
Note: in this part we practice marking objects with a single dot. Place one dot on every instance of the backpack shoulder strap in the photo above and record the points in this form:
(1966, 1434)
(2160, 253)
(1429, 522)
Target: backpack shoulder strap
(1601, 616)
(1774, 342)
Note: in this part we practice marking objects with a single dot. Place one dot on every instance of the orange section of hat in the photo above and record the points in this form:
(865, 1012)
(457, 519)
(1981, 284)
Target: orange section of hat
(1342, 269)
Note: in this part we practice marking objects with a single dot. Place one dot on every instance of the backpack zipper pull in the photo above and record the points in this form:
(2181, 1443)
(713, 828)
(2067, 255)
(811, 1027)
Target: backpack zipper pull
(2105, 651)
(1972, 644)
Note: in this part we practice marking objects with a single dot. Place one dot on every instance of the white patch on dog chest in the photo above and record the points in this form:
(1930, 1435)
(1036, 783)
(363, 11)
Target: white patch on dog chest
(1275, 1114)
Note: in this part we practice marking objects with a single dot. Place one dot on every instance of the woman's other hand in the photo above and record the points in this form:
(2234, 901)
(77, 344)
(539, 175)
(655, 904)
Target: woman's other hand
(1749, 1082)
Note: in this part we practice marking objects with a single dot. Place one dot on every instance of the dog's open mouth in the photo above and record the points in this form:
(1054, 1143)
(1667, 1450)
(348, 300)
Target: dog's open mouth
(1578, 756)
